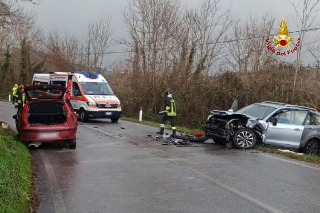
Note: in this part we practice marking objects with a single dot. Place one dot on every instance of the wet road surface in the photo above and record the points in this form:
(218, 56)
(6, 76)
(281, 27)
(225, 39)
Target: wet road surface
(118, 168)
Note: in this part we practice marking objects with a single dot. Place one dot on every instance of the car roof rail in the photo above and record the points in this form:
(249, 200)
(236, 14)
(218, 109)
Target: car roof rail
(273, 102)
(303, 107)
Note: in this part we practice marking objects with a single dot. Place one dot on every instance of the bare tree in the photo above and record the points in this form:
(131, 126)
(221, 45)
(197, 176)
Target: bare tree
(99, 39)
(247, 46)
(307, 14)
(209, 25)
(65, 53)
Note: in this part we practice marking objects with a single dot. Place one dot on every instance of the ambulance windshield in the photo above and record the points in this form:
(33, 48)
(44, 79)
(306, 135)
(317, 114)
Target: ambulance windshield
(96, 88)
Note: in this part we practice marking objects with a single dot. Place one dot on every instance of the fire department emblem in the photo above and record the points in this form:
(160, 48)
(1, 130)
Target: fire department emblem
(283, 39)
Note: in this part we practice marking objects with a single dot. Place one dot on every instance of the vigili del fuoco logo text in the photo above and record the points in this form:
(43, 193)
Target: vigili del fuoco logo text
(282, 40)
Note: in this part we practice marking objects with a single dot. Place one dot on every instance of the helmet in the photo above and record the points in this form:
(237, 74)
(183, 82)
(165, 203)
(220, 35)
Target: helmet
(168, 92)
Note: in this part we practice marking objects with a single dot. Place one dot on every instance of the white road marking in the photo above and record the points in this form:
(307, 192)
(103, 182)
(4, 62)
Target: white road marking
(55, 189)
(292, 161)
(107, 133)
(230, 188)
(223, 185)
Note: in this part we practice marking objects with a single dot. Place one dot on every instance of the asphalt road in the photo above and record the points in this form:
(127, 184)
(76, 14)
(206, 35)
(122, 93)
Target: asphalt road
(117, 168)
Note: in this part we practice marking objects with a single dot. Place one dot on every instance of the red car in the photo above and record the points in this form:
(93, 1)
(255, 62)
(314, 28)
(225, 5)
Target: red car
(47, 116)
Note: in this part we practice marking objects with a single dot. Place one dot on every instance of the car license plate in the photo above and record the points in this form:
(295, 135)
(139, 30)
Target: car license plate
(108, 113)
(48, 135)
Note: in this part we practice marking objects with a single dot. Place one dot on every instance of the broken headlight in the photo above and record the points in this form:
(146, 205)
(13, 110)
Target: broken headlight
(251, 124)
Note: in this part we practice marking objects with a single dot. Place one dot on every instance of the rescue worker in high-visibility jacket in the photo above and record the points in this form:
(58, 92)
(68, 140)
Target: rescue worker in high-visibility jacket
(169, 114)
(14, 93)
(21, 96)
(18, 96)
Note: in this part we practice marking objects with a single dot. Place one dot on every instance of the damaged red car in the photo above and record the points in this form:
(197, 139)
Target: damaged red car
(47, 116)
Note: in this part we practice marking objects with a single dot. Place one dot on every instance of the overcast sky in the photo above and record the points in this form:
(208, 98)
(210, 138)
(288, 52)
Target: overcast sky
(72, 16)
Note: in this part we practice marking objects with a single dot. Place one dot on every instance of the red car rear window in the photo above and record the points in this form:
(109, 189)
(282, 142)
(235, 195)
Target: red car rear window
(45, 93)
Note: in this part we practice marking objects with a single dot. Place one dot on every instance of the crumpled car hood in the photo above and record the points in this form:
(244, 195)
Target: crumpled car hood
(227, 115)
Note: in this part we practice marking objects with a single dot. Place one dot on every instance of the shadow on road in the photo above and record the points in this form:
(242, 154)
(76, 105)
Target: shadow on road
(58, 145)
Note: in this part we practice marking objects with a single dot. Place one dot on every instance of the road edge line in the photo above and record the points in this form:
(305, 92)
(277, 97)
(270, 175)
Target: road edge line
(55, 188)
(291, 161)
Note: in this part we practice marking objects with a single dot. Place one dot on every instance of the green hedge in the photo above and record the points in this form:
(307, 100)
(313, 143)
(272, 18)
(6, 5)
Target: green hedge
(15, 174)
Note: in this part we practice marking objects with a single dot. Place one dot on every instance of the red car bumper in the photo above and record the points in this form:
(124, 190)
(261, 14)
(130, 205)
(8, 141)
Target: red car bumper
(47, 134)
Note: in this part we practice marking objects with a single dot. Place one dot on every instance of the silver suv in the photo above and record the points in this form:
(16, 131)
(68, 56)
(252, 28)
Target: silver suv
(273, 123)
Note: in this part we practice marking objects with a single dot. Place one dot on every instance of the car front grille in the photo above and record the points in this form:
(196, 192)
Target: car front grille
(109, 106)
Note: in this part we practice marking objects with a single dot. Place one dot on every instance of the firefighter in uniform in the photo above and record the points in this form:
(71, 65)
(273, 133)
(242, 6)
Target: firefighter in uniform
(14, 93)
(169, 114)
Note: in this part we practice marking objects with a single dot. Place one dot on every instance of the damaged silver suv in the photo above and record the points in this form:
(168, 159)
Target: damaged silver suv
(273, 123)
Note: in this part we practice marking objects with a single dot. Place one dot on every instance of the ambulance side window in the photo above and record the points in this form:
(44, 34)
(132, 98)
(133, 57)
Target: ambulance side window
(61, 83)
(75, 89)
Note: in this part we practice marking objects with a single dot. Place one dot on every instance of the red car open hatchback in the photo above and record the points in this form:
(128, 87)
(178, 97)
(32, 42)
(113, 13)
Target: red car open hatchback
(47, 116)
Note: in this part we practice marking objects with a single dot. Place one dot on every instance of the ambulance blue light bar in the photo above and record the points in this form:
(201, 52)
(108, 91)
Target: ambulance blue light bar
(89, 74)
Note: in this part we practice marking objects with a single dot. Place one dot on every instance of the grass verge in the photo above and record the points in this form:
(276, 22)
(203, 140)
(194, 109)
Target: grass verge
(306, 158)
(154, 124)
(15, 174)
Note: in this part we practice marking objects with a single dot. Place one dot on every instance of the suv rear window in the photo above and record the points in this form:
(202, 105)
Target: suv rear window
(313, 119)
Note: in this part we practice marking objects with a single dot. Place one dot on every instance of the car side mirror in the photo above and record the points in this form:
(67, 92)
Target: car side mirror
(14, 117)
(274, 121)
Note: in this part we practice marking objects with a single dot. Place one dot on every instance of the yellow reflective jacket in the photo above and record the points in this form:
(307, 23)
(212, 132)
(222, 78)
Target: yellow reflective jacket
(14, 90)
(170, 107)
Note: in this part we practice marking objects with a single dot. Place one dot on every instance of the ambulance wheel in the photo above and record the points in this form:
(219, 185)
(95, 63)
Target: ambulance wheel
(114, 120)
(72, 143)
(83, 115)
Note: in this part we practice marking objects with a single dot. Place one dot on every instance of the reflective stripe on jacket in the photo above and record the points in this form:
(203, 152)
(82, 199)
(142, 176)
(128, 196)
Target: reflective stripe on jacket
(22, 98)
(170, 107)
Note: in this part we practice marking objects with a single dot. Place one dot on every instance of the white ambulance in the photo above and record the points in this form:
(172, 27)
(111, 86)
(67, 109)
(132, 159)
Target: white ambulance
(91, 95)
(41, 79)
